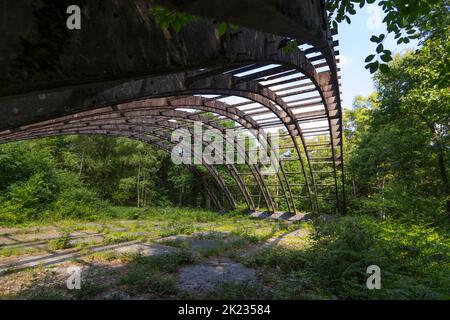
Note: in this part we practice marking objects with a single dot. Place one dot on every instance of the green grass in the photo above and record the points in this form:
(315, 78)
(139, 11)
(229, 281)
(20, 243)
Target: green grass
(177, 243)
(156, 274)
(239, 291)
(63, 242)
(117, 237)
(110, 256)
(88, 290)
(47, 294)
(18, 251)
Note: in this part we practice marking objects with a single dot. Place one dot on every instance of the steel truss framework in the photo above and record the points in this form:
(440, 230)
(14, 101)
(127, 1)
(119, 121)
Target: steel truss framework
(294, 93)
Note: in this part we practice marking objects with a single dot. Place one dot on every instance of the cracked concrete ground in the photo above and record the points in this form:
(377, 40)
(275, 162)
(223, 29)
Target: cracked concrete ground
(207, 276)
(26, 274)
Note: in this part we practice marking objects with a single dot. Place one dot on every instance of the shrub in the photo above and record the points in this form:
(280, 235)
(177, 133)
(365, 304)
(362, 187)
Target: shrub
(414, 260)
(63, 242)
(401, 202)
(76, 201)
(26, 201)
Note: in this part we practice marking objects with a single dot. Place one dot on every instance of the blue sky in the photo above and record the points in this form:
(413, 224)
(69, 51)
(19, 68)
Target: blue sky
(355, 46)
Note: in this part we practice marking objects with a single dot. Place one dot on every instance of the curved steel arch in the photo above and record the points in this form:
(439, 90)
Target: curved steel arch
(268, 95)
(248, 79)
(194, 103)
(48, 130)
(298, 62)
(301, 63)
(254, 171)
(198, 103)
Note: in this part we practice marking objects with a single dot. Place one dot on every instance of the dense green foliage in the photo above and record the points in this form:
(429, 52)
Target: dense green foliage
(397, 141)
(34, 186)
(414, 261)
(79, 177)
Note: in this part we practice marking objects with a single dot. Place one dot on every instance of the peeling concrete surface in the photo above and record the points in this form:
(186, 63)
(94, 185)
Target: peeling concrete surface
(207, 276)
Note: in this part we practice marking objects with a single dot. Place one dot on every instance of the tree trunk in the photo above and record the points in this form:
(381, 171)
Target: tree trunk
(137, 185)
(143, 190)
(354, 187)
(207, 198)
(81, 164)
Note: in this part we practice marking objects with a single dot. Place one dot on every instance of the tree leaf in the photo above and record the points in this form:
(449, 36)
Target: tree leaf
(374, 39)
(380, 48)
(384, 68)
(374, 67)
(370, 58)
(222, 28)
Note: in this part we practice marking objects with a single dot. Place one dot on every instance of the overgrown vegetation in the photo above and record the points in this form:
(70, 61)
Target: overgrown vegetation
(63, 242)
(414, 261)
(330, 262)
(396, 163)
(82, 177)
(156, 274)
